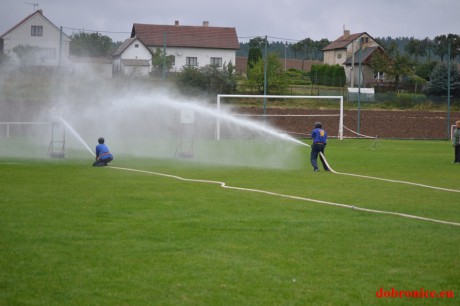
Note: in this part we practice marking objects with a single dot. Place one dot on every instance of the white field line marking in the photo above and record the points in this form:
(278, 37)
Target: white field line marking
(224, 185)
(388, 180)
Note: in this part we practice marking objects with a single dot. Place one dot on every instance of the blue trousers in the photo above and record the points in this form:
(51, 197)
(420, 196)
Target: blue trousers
(102, 162)
(315, 149)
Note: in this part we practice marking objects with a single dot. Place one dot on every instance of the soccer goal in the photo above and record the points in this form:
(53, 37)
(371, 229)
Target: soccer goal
(271, 111)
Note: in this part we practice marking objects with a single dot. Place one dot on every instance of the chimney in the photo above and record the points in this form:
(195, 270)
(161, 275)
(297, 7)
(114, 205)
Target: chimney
(40, 11)
(346, 33)
(205, 24)
(176, 23)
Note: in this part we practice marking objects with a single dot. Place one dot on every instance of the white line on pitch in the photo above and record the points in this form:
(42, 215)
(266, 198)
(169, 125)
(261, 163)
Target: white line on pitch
(224, 185)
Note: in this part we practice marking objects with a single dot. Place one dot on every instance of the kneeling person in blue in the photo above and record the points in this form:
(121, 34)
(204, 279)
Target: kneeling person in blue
(103, 155)
(319, 144)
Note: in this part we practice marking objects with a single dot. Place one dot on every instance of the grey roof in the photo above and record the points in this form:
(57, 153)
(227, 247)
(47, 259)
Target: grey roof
(365, 54)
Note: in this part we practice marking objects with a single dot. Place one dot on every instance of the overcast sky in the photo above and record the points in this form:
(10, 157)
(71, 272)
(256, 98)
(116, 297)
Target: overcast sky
(280, 20)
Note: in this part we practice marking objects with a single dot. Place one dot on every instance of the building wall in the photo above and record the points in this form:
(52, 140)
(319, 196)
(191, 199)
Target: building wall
(367, 42)
(367, 75)
(137, 50)
(49, 42)
(203, 56)
(333, 57)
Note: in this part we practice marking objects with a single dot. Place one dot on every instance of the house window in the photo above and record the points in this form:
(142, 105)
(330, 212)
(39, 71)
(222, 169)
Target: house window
(136, 45)
(36, 31)
(379, 76)
(191, 61)
(339, 56)
(216, 61)
(47, 53)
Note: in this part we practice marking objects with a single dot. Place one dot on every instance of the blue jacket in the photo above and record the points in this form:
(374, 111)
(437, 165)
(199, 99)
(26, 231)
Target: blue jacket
(319, 136)
(102, 152)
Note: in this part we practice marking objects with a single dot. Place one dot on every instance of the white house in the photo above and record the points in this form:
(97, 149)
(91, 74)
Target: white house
(190, 45)
(349, 50)
(132, 58)
(49, 45)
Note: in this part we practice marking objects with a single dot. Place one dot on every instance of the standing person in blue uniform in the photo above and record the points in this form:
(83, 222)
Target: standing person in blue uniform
(456, 142)
(103, 155)
(319, 137)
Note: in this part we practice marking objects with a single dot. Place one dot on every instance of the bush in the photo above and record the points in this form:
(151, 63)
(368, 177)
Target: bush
(297, 77)
(328, 75)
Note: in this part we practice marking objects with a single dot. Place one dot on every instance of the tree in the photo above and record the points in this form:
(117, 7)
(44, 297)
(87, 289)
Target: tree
(415, 48)
(28, 55)
(296, 48)
(440, 46)
(454, 41)
(439, 80)
(209, 79)
(256, 45)
(161, 62)
(276, 78)
(90, 44)
(380, 62)
(402, 66)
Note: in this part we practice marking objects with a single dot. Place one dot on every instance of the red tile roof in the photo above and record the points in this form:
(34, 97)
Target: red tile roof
(343, 41)
(186, 36)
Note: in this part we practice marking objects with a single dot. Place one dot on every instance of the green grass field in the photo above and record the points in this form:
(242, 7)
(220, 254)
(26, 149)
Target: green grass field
(72, 234)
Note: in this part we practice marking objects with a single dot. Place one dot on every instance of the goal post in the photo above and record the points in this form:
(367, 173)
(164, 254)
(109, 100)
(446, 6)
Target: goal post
(339, 98)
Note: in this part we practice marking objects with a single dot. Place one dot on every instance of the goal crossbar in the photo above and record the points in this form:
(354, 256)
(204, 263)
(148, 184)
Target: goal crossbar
(340, 98)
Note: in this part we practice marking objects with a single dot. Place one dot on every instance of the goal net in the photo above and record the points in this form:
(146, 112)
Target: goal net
(293, 115)
(29, 139)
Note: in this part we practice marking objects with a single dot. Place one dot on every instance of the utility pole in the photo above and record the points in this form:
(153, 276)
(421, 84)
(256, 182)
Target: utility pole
(163, 75)
(448, 91)
(265, 74)
(359, 86)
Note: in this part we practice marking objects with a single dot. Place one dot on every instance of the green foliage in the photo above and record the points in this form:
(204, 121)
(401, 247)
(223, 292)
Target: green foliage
(256, 45)
(407, 100)
(28, 55)
(303, 49)
(161, 62)
(209, 79)
(276, 79)
(400, 66)
(297, 77)
(424, 70)
(438, 84)
(90, 44)
(328, 75)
